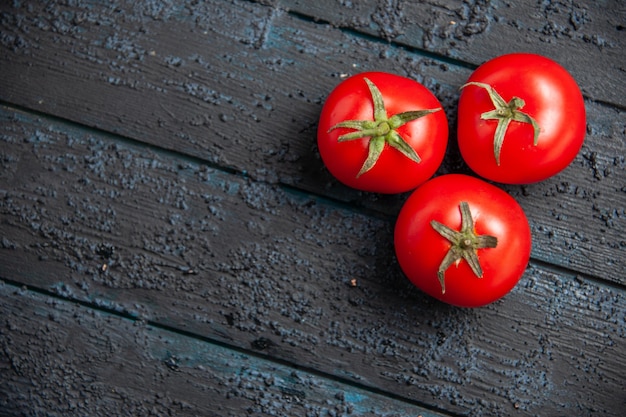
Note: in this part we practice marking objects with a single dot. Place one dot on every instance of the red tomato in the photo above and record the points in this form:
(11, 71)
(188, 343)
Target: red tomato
(462, 240)
(521, 119)
(382, 133)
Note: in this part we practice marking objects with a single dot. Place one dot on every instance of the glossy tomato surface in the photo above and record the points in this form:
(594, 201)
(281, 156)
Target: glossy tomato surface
(551, 97)
(420, 249)
(393, 172)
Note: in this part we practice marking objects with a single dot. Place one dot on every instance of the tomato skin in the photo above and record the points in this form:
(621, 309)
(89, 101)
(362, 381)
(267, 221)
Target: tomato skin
(551, 97)
(420, 249)
(393, 172)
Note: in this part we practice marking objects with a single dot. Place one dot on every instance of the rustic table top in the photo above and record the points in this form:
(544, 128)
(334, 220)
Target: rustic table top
(171, 243)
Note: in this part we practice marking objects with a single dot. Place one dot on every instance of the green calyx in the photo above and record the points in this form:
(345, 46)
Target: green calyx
(381, 130)
(464, 244)
(505, 113)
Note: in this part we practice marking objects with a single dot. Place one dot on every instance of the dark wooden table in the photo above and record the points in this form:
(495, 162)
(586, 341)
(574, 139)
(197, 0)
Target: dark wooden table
(171, 243)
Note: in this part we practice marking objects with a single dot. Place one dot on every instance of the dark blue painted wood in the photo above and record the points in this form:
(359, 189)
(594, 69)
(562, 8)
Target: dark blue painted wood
(254, 108)
(81, 361)
(161, 238)
(159, 167)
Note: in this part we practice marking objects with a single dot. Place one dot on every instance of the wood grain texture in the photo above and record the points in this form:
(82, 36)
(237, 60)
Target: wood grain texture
(586, 38)
(167, 239)
(171, 244)
(62, 359)
(240, 86)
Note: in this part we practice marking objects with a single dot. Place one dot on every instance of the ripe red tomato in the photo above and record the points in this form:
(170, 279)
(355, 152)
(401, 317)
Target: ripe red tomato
(462, 240)
(382, 133)
(521, 119)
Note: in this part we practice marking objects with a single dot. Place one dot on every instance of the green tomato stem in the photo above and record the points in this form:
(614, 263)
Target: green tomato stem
(464, 244)
(382, 130)
(505, 113)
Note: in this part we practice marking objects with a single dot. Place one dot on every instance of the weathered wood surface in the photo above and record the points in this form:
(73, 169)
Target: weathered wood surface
(113, 366)
(253, 107)
(199, 205)
(581, 35)
(156, 236)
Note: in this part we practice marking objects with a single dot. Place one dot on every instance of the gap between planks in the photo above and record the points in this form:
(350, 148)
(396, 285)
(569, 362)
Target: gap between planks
(429, 410)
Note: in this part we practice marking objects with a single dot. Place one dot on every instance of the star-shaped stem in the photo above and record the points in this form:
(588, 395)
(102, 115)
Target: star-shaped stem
(464, 244)
(504, 113)
(381, 130)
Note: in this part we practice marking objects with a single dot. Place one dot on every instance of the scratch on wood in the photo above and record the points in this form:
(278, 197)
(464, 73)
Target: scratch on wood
(265, 28)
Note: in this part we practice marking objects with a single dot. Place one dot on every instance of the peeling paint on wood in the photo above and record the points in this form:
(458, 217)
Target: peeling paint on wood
(103, 365)
(159, 169)
(272, 271)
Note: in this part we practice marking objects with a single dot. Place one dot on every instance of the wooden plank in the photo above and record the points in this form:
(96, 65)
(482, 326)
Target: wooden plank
(59, 358)
(580, 214)
(166, 239)
(167, 80)
(580, 35)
